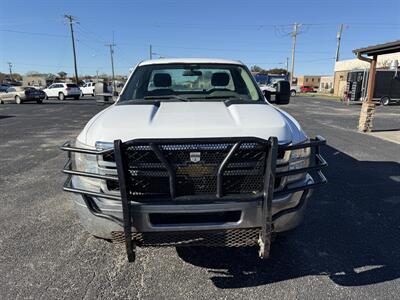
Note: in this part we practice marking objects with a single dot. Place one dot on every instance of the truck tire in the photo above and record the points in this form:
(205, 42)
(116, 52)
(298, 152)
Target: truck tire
(292, 93)
(39, 101)
(18, 100)
(76, 97)
(61, 96)
(385, 100)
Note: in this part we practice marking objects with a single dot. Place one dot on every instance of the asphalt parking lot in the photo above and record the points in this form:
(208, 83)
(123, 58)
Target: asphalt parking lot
(348, 246)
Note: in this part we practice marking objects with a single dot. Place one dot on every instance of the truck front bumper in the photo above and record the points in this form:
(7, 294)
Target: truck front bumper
(287, 213)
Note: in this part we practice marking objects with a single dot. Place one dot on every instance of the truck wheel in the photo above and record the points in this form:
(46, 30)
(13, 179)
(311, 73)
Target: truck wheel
(39, 101)
(292, 93)
(18, 100)
(76, 97)
(385, 100)
(61, 96)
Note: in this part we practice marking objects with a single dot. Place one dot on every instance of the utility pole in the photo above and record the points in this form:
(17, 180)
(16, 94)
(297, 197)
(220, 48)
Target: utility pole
(294, 35)
(112, 62)
(151, 52)
(10, 68)
(287, 65)
(71, 20)
(339, 37)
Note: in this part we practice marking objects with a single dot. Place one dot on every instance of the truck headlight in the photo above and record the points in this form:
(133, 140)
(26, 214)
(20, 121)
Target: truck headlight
(299, 159)
(85, 163)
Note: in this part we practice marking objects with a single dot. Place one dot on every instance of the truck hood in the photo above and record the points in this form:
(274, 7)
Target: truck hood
(190, 120)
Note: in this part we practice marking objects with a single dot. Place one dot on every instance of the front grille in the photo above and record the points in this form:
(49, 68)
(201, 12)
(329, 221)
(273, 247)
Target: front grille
(149, 179)
(211, 238)
(243, 173)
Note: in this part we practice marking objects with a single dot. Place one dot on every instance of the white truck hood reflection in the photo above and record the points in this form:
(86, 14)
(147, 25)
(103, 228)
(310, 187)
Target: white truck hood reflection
(189, 120)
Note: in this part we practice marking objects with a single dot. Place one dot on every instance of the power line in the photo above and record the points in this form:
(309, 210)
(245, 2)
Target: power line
(91, 34)
(34, 33)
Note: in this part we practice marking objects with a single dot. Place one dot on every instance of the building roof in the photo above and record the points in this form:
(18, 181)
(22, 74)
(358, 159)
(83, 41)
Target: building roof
(380, 49)
(189, 61)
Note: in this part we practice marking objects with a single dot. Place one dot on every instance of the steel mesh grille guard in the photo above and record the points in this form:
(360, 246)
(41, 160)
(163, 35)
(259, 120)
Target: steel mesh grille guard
(194, 171)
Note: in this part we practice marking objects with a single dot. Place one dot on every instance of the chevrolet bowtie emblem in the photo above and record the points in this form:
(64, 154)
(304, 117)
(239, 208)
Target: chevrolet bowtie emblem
(195, 157)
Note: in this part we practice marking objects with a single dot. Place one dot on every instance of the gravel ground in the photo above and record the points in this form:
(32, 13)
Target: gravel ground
(348, 246)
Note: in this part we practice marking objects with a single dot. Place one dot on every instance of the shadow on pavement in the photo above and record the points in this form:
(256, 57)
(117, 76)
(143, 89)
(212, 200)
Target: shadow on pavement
(351, 233)
(5, 116)
(384, 130)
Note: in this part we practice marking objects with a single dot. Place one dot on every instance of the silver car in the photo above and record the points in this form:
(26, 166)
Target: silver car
(19, 95)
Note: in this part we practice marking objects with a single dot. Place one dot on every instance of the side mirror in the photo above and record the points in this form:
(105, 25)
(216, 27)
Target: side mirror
(282, 92)
(267, 95)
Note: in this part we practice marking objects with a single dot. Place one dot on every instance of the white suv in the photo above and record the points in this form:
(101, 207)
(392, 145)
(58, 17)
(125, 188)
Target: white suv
(88, 89)
(63, 90)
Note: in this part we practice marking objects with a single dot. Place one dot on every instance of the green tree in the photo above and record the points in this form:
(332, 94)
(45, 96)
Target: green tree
(16, 76)
(277, 71)
(258, 69)
(62, 74)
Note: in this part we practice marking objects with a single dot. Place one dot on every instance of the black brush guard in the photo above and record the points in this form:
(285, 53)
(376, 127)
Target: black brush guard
(126, 179)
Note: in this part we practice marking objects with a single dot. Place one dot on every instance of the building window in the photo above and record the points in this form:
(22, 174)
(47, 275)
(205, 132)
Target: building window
(306, 79)
(312, 79)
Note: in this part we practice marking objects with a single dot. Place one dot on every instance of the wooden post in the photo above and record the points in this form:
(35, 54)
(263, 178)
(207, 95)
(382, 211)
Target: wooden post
(371, 79)
(368, 107)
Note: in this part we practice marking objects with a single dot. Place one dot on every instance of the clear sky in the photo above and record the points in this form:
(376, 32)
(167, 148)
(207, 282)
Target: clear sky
(35, 37)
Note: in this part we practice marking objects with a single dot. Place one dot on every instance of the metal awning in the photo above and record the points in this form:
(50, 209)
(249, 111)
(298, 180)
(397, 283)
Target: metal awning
(380, 49)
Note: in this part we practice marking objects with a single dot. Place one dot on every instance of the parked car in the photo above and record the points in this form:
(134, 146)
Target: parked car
(294, 89)
(4, 87)
(22, 94)
(191, 154)
(63, 91)
(88, 89)
(306, 89)
(36, 86)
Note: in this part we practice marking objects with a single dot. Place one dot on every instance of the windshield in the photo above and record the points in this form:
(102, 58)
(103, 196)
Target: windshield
(190, 82)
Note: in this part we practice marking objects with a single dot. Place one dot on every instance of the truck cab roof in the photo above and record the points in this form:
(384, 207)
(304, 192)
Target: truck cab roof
(189, 61)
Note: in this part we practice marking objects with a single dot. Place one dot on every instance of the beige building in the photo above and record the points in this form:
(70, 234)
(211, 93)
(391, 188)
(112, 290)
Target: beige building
(34, 80)
(343, 67)
(309, 80)
(326, 84)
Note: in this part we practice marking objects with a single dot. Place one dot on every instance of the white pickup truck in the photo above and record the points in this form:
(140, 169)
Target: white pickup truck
(88, 89)
(192, 154)
(271, 89)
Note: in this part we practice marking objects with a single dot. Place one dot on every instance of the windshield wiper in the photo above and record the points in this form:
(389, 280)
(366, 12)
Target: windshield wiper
(222, 97)
(165, 97)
